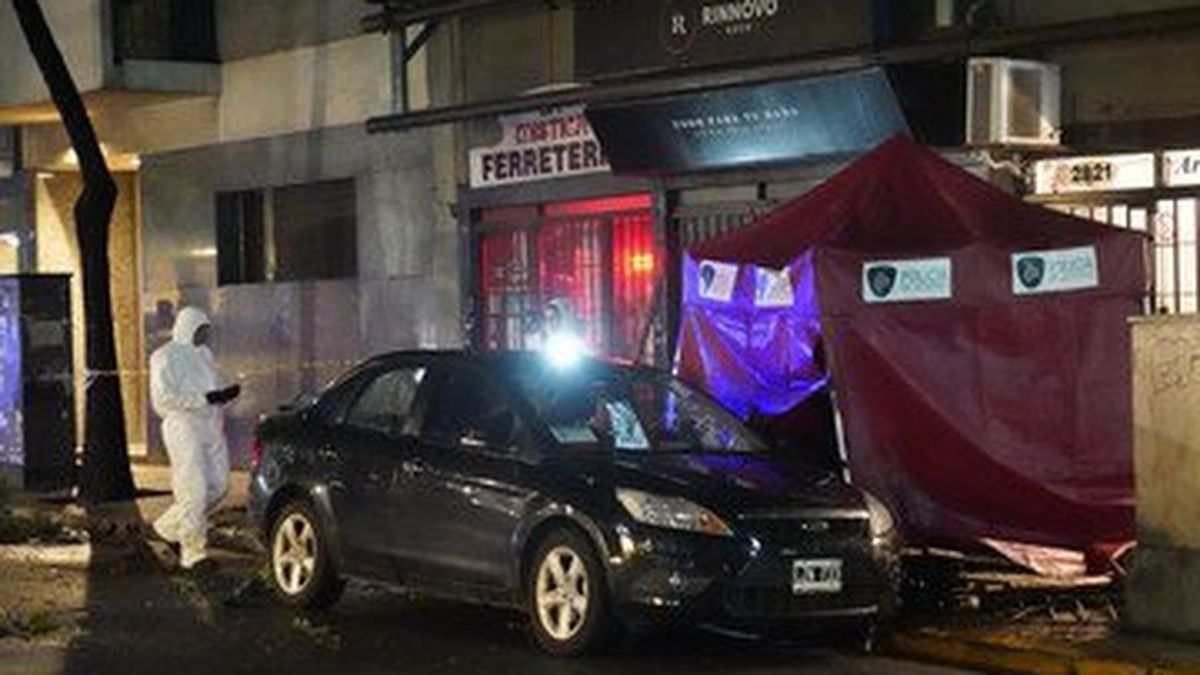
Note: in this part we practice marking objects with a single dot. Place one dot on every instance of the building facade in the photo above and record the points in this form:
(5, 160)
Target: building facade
(709, 113)
(248, 185)
(335, 178)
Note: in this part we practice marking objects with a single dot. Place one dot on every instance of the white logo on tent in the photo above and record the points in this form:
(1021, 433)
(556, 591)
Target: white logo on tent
(906, 280)
(1054, 271)
(773, 288)
(716, 280)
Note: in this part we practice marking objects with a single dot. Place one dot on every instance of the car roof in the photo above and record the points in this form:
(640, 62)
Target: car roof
(488, 359)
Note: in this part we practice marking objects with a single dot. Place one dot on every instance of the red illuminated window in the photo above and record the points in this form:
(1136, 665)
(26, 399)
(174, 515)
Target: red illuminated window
(572, 266)
(598, 259)
(635, 273)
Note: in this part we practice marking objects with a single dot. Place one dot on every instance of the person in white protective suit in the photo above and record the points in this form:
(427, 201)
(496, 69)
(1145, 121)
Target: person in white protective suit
(185, 393)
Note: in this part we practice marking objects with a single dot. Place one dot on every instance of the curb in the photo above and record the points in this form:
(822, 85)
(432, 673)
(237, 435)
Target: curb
(55, 555)
(985, 657)
(990, 657)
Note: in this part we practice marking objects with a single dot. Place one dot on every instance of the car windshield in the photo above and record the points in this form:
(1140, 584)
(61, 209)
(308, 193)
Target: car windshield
(630, 410)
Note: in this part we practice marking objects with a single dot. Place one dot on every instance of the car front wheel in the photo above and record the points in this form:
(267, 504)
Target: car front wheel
(568, 598)
(302, 573)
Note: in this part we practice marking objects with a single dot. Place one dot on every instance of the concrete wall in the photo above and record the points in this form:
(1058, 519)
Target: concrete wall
(1164, 588)
(510, 51)
(1129, 79)
(328, 85)
(501, 54)
(78, 26)
(280, 339)
(248, 28)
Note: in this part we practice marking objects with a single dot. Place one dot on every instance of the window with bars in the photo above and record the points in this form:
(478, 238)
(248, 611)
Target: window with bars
(698, 224)
(1172, 223)
(597, 261)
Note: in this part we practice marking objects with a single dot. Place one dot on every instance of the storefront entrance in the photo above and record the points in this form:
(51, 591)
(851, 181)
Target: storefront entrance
(597, 262)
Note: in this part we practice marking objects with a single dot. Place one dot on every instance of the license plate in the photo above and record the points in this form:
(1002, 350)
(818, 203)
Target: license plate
(817, 576)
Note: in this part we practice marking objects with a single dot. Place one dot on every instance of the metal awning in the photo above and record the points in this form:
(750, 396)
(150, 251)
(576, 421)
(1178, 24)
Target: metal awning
(753, 125)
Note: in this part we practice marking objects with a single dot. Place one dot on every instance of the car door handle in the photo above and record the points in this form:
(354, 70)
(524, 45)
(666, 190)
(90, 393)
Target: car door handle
(466, 489)
(472, 443)
(412, 468)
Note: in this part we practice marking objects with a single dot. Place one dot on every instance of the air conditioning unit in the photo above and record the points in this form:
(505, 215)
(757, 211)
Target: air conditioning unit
(1012, 102)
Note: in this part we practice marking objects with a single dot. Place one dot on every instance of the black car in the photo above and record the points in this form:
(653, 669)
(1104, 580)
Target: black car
(594, 496)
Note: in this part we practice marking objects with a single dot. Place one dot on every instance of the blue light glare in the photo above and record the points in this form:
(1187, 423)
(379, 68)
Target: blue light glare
(563, 349)
(755, 359)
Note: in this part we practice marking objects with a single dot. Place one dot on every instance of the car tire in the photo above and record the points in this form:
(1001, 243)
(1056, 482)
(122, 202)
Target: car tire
(301, 569)
(566, 576)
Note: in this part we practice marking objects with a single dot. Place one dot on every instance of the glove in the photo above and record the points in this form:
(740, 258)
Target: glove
(222, 396)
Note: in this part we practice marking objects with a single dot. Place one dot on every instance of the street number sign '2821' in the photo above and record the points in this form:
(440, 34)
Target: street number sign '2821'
(907, 280)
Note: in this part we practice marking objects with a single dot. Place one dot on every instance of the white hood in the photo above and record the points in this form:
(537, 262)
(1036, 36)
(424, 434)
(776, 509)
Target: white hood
(187, 322)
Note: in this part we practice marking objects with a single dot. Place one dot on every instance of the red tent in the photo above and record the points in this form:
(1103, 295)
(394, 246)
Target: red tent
(977, 344)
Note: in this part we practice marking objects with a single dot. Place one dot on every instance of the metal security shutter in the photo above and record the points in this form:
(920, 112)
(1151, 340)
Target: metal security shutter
(700, 223)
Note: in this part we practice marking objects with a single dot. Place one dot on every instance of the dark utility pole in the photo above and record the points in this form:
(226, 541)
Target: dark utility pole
(105, 474)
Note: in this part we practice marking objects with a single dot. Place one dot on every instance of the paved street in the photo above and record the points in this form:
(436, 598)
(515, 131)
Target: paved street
(721, 309)
(141, 619)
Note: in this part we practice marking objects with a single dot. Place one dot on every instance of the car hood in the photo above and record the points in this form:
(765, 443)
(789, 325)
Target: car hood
(737, 483)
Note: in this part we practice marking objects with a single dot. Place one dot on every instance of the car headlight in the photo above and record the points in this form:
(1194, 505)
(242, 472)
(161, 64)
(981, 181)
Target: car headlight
(673, 513)
(883, 524)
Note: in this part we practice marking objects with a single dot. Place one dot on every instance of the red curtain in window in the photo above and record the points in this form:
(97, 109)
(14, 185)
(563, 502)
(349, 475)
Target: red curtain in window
(597, 258)
(637, 264)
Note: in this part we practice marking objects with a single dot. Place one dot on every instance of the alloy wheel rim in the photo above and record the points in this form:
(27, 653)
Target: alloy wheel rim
(561, 593)
(294, 554)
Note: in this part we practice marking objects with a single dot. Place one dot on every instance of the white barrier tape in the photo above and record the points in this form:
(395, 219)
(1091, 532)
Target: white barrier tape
(239, 374)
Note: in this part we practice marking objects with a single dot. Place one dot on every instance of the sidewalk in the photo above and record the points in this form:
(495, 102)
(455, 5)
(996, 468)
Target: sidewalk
(157, 478)
(123, 521)
(86, 585)
(1043, 644)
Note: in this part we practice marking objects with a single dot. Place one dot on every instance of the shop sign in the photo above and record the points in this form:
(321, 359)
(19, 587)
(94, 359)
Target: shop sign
(753, 125)
(773, 288)
(1181, 168)
(717, 280)
(906, 280)
(615, 36)
(537, 146)
(1094, 174)
(1054, 271)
